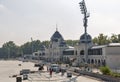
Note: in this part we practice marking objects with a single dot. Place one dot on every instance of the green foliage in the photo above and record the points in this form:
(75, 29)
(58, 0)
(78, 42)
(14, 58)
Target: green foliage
(105, 70)
(104, 39)
(71, 42)
(26, 48)
(46, 43)
(30, 47)
(10, 49)
(114, 38)
(101, 39)
(119, 37)
(33, 46)
(115, 74)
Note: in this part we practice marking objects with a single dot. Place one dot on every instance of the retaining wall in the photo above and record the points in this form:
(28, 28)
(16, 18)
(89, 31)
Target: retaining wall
(99, 76)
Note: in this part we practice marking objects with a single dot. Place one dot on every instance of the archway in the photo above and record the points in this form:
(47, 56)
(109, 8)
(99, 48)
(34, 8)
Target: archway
(99, 63)
(88, 61)
(82, 52)
(96, 61)
(104, 63)
(92, 61)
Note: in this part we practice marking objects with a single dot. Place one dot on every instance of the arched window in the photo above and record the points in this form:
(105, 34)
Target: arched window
(103, 62)
(92, 61)
(99, 62)
(40, 54)
(43, 53)
(88, 61)
(36, 54)
(82, 52)
(95, 61)
(76, 52)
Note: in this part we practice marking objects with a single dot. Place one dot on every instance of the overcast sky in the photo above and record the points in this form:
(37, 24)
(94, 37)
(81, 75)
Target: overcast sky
(22, 19)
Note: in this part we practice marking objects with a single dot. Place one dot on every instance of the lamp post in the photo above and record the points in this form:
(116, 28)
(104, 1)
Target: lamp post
(32, 45)
(85, 20)
(8, 52)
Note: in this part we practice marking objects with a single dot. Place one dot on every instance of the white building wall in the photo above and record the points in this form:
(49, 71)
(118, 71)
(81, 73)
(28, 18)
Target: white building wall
(112, 50)
(79, 48)
(47, 53)
(113, 57)
(113, 61)
(104, 51)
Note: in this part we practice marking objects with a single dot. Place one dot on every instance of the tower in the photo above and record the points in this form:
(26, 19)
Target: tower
(85, 35)
(57, 45)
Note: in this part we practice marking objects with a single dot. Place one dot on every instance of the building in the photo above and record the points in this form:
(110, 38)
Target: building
(99, 55)
(106, 55)
(58, 49)
(80, 47)
(40, 54)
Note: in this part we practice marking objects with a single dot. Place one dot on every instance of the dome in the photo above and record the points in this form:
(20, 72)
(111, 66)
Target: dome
(56, 36)
(82, 39)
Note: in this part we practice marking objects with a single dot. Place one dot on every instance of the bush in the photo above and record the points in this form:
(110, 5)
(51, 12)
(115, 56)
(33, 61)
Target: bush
(105, 70)
(115, 74)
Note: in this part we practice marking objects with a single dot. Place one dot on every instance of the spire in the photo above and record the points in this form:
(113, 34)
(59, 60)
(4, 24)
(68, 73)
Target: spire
(56, 28)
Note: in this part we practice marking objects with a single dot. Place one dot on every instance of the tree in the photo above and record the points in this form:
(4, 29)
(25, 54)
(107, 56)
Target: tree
(46, 43)
(2, 54)
(36, 45)
(95, 40)
(10, 49)
(30, 47)
(114, 38)
(71, 42)
(119, 37)
(101, 39)
(105, 70)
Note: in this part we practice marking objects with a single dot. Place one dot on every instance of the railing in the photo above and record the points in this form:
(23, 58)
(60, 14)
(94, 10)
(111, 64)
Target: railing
(99, 76)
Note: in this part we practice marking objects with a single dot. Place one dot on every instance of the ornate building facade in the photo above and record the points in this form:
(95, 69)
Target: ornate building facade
(99, 55)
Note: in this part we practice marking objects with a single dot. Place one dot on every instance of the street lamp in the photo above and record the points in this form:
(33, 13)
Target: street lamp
(32, 45)
(8, 52)
(85, 20)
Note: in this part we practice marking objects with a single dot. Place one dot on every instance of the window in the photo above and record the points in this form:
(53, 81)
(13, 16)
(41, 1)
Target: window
(40, 54)
(95, 51)
(43, 53)
(76, 52)
(68, 52)
(36, 54)
(82, 52)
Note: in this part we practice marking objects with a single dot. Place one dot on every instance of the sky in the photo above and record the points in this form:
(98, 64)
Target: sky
(22, 19)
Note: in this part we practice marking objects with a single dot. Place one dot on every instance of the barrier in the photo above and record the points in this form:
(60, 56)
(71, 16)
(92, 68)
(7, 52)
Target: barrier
(99, 76)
